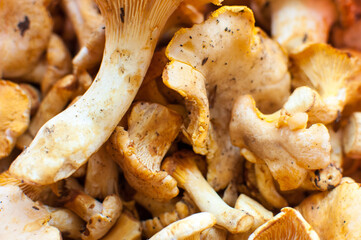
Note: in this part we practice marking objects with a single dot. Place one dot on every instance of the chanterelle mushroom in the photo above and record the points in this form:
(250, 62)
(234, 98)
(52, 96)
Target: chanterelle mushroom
(211, 64)
(21, 218)
(335, 214)
(14, 115)
(352, 136)
(288, 224)
(139, 151)
(288, 148)
(25, 31)
(299, 22)
(66, 141)
(334, 74)
(182, 167)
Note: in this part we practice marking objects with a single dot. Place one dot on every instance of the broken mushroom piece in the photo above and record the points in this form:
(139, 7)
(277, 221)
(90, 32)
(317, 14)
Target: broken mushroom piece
(186, 227)
(183, 168)
(296, 23)
(289, 149)
(334, 214)
(352, 136)
(288, 224)
(25, 32)
(139, 151)
(211, 64)
(132, 31)
(259, 213)
(101, 177)
(100, 217)
(14, 115)
(21, 218)
(334, 74)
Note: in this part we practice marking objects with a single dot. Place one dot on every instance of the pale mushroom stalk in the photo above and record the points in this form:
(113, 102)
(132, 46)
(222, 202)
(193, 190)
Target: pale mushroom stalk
(352, 136)
(65, 142)
(186, 227)
(127, 227)
(183, 168)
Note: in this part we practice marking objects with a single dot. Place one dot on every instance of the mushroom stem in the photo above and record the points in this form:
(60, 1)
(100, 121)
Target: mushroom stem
(183, 168)
(66, 141)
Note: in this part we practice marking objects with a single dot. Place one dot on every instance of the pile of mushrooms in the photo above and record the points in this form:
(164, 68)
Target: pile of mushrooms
(180, 119)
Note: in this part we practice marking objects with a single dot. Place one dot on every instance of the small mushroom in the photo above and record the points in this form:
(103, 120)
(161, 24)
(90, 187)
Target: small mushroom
(101, 177)
(68, 223)
(351, 139)
(14, 115)
(334, 214)
(186, 227)
(139, 151)
(182, 209)
(127, 227)
(333, 73)
(288, 224)
(58, 62)
(211, 64)
(182, 167)
(25, 31)
(289, 149)
(260, 214)
(296, 23)
(21, 218)
(100, 217)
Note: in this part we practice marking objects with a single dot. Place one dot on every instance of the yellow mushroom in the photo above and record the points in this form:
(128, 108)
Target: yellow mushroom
(139, 151)
(211, 64)
(14, 115)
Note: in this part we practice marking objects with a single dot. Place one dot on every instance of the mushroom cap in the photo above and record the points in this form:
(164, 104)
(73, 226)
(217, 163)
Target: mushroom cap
(211, 64)
(333, 73)
(335, 214)
(289, 152)
(21, 218)
(139, 151)
(14, 115)
(288, 224)
(25, 31)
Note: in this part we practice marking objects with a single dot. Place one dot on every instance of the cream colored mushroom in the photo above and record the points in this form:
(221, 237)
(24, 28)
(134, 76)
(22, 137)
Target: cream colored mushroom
(186, 227)
(334, 214)
(296, 23)
(288, 224)
(68, 223)
(25, 32)
(183, 168)
(58, 62)
(211, 64)
(139, 151)
(100, 217)
(33, 95)
(21, 218)
(126, 227)
(101, 177)
(14, 115)
(352, 136)
(182, 209)
(333, 73)
(289, 149)
(260, 214)
(132, 31)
